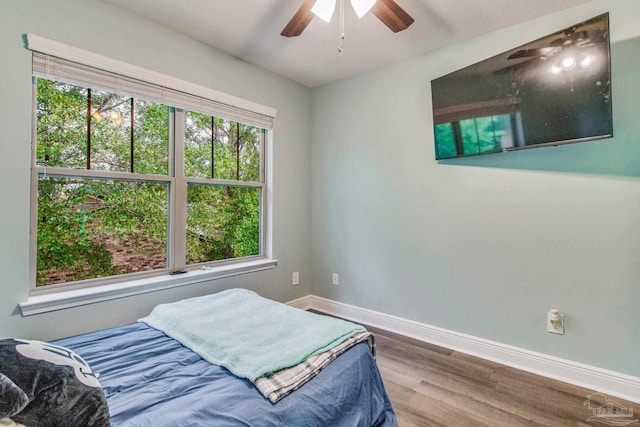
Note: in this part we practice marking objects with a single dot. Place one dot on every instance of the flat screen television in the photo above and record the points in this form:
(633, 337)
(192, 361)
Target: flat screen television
(554, 90)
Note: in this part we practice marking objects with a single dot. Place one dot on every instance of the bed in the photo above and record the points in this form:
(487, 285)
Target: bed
(152, 379)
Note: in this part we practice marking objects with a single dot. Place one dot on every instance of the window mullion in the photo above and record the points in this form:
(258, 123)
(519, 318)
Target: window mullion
(213, 147)
(178, 215)
(33, 236)
(132, 136)
(98, 174)
(265, 230)
(225, 182)
(33, 201)
(89, 128)
(263, 154)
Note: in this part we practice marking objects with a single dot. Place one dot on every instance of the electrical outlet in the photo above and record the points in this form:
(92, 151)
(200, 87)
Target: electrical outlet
(296, 278)
(336, 279)
(555, 322)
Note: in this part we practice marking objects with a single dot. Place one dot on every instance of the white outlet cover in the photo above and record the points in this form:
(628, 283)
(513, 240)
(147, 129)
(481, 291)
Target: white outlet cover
(296, 278)
(336, 279)
(550, 328)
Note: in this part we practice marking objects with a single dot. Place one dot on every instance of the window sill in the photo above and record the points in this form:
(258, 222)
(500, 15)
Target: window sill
(66, 299)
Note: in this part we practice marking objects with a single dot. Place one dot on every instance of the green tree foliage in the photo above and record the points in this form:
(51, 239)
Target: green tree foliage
(79, 128)
(64, 233)
(222, 221)
(62, 130)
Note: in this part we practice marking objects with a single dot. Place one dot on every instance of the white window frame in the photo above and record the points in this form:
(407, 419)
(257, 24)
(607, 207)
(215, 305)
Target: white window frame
(54, 297)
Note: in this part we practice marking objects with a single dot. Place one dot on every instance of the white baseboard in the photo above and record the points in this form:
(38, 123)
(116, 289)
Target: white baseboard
(303, 303)
(609, 382)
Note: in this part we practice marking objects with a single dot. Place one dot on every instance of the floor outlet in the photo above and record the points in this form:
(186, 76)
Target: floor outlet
(296, 278)
(336, 279)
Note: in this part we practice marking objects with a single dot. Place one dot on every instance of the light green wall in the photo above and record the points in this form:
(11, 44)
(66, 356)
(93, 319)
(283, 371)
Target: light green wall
(102, 28)
(485, 245)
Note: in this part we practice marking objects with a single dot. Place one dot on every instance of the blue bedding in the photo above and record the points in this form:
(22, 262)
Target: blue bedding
(152, 380)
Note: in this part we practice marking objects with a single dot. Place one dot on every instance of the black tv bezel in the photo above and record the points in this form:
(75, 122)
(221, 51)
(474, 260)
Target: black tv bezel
(604, 16)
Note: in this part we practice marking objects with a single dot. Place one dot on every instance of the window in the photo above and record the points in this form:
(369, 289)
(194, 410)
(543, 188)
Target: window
(131, 179)
(223, 221)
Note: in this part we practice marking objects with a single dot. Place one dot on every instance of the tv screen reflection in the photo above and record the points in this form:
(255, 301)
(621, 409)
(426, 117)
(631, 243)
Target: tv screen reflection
(551, 91)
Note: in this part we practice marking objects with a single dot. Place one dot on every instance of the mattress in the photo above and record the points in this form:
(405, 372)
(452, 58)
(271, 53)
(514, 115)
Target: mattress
(150, 379)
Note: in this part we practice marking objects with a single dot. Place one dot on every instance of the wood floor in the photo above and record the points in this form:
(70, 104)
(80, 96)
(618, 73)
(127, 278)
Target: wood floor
(434, 386)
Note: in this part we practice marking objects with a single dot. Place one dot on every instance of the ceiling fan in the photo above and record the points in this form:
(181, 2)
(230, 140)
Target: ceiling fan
(573, 48)
(387, 11)
(567, 39)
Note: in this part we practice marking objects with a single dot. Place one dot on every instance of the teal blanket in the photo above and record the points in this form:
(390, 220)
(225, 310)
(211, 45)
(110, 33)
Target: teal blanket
(249, 335)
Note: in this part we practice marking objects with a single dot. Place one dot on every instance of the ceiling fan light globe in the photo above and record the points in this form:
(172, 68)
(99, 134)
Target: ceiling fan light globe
(586, 62)
(323, 9)
(568, 63)
(555, 70)
(362, 6)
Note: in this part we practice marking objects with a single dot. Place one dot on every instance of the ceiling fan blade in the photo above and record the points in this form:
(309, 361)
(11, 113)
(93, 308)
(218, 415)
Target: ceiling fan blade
(559, 42)
(300, 20)
(392, 15)
(530, 53)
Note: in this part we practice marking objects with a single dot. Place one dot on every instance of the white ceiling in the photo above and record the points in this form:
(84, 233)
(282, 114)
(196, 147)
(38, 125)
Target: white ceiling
(250, 30)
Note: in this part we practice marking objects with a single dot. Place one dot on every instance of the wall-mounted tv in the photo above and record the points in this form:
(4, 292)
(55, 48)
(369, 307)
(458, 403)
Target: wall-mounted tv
(554, 90)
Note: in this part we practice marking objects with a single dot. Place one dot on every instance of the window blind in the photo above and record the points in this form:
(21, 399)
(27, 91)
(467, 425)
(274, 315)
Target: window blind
(59, 69)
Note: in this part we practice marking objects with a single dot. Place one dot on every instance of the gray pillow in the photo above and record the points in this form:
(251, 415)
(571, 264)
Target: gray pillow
(60, 388)
(12, 398)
